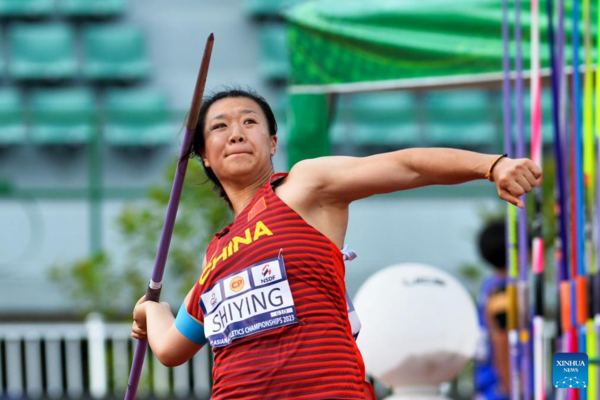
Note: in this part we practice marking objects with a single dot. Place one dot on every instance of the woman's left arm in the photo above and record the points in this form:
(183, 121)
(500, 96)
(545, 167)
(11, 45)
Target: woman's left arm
(341, 180)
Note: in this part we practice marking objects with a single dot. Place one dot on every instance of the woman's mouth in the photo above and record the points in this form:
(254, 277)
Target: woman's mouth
(237, 153)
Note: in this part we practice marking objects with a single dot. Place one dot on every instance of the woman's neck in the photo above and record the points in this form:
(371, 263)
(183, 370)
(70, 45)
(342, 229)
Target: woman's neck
(240, 196)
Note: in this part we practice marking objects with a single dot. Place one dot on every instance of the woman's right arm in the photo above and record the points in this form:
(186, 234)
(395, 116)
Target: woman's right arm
(172, 343)
(155, 322)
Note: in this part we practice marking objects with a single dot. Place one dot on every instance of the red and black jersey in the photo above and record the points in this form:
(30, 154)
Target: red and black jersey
(314, 358)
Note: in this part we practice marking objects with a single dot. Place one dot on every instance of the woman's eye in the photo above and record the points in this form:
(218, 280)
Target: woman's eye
(218, 126)
(249, 121)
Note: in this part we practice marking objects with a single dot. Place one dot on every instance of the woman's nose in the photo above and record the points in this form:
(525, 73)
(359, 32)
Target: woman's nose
(236, 136)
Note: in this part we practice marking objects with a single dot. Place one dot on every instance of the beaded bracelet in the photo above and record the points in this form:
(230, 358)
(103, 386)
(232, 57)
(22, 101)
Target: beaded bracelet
(488, 176)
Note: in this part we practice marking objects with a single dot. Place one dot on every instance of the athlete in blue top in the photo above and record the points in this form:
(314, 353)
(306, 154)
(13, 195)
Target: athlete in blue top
(492, 364)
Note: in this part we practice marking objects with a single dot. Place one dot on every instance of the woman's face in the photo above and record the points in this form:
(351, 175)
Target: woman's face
(237, 144)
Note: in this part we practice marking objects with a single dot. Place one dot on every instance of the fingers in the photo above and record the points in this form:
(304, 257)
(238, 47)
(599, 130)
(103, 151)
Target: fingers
(535, 169)
(524, 184)
(533, 173)
(137, 332)
(517, 178)
(531, 179)
(507, 196)
(528, 175)
(139, 336)
(141, 300)
(512, 189)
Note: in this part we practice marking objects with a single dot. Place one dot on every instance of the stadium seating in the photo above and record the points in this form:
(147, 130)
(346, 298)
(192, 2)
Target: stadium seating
(3, 59)
(92, 8)
(115, 53)
(42, 52)
(12, 128)
(62, 116)
(378, 119)
(268, 8)
(26, 8)
(137, 117)
(547, 122)
(459, 118)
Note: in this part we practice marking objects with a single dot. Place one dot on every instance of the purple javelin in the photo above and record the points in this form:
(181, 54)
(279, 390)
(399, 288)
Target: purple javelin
(153, 290)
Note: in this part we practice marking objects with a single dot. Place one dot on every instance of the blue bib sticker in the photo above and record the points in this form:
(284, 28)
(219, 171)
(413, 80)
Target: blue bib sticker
(570, 370)
(253, 300)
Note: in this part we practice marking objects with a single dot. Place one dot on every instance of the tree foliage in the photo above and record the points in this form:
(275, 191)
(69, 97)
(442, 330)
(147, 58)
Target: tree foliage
(111, 284)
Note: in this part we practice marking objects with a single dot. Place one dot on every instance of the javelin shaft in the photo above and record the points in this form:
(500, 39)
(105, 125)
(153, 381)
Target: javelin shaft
(522, 285)
(589, 183)
(562, 161)
(511, 245)
(154, 288)
(596, 276)
(511, 217)
(538, 241)
(579, 290)
(580, 284)
(561, 247)
(578, 144)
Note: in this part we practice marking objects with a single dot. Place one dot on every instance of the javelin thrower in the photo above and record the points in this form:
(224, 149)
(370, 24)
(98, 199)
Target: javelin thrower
(270, 299)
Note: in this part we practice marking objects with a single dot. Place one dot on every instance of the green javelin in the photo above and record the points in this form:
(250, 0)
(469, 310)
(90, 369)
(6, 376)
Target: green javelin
(589, 182)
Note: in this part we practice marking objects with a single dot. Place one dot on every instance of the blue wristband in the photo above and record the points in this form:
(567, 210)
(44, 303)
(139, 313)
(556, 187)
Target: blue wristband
(189, 327)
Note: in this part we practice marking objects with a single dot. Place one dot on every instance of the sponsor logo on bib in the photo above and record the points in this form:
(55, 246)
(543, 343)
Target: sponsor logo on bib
(236, 284)
(266, 270)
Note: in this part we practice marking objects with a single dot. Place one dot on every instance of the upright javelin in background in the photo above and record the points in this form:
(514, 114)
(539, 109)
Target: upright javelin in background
(538, 239)
(561, 241)
(522, 283)
(589, 182)
(579, 283)
(153, 290)
(511, 218)
(596, 274)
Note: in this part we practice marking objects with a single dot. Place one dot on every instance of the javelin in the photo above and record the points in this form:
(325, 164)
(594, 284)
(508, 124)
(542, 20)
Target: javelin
(579, 283)
(562, 242)
(522, 283)
(155, 285)
(511, 218)
(538, 239)
(589, 190)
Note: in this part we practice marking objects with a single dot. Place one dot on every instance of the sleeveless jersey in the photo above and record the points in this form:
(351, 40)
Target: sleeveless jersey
(311, 354)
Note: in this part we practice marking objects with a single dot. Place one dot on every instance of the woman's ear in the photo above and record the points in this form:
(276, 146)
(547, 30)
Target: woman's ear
(273, 145)
(204, 159)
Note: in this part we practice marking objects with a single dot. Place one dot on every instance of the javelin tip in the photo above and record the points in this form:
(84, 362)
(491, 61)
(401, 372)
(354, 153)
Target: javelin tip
(211, 37)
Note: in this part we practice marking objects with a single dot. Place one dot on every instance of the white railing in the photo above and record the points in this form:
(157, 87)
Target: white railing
(92, 359)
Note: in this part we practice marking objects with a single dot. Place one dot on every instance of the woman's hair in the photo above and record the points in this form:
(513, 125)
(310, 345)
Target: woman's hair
(197, 145)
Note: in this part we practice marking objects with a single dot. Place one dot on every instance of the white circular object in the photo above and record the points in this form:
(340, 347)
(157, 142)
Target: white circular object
(419, 325)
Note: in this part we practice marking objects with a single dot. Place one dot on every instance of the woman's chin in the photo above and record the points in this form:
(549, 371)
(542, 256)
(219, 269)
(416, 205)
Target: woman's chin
(245, 169)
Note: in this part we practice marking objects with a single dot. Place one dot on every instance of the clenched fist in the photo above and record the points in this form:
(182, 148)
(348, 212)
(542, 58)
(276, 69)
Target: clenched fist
(514, 178)
(139, 329)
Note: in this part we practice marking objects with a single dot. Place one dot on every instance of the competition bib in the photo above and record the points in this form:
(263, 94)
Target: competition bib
(253, 300)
